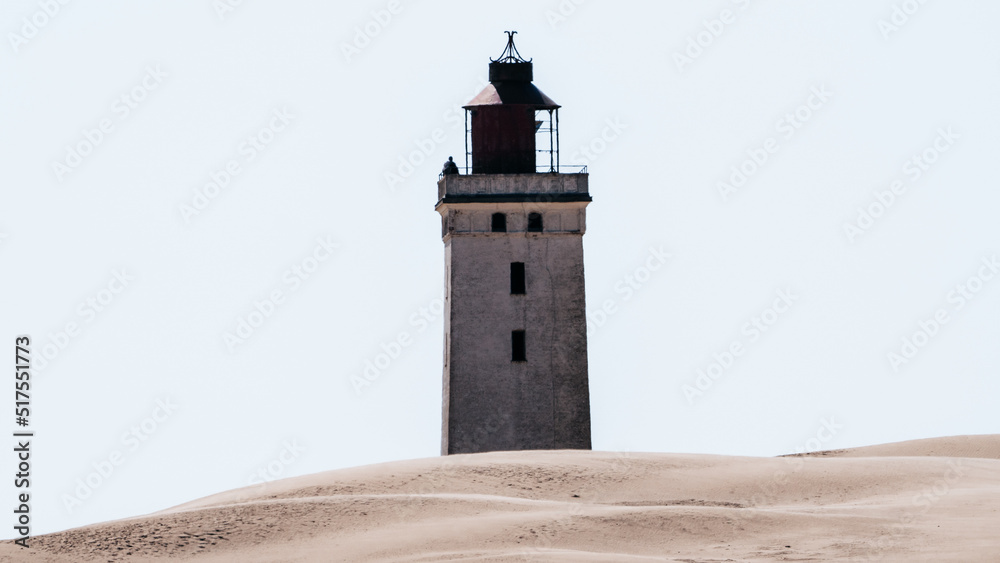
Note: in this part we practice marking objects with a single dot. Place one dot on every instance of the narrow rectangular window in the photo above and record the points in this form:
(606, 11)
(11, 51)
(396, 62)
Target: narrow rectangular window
(517, 285)
(499, 223)
(517, 352)
(534, 222)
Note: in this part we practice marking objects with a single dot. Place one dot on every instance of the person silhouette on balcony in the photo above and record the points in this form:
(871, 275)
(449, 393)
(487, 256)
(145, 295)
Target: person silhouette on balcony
(450, 167)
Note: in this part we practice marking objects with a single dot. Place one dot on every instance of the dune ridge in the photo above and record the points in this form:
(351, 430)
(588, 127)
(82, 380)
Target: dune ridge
(925, 500)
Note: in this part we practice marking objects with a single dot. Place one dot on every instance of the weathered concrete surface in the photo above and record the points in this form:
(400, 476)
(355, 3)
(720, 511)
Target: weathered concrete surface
(485, 184)
(490, 402)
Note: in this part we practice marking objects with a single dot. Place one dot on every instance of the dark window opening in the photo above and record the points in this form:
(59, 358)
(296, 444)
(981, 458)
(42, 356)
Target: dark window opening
(517, 285)
(518, 353)
(499, 223)
(534, 222)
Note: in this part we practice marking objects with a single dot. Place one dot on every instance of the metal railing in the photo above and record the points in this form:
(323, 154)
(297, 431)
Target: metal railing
(541, 169)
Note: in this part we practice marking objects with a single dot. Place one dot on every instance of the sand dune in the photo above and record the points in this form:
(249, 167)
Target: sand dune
(987, 447)
(928, 500)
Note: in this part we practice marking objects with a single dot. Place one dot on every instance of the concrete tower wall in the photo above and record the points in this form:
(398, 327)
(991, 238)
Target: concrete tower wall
(490, 401)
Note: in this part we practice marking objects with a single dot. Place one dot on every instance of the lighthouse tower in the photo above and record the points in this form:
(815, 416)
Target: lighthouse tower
(515, 357)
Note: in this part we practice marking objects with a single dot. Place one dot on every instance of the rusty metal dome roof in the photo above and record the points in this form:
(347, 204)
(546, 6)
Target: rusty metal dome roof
(512, 93)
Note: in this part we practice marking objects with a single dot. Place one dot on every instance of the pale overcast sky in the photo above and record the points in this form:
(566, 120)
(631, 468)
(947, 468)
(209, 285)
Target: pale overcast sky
(809, 184)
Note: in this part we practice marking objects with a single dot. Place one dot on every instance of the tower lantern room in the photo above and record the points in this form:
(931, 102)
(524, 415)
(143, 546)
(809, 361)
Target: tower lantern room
(511, 127)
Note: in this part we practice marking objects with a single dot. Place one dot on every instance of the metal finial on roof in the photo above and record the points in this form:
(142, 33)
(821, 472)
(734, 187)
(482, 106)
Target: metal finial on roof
(510, 54)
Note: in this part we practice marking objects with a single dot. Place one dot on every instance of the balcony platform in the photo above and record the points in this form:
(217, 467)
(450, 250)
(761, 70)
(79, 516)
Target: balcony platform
(499, 188)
